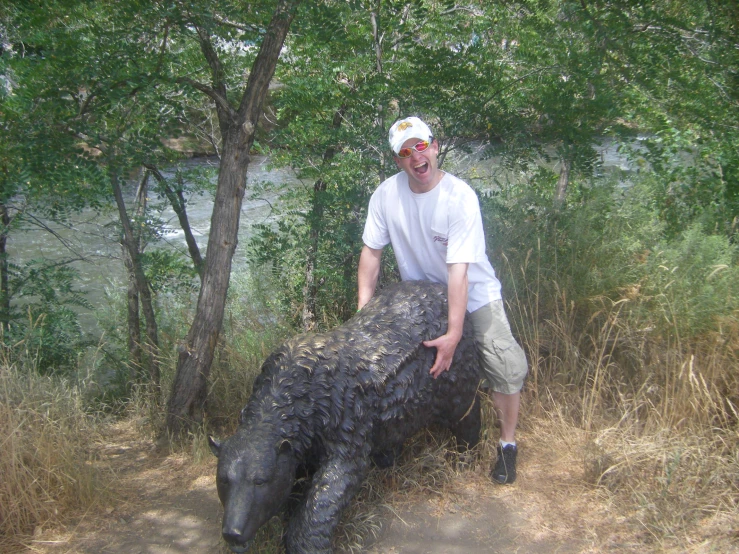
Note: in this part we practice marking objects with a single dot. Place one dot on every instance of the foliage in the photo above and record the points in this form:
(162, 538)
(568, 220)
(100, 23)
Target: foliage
(631, 331)
(691, 283)
(612, 243)
(284, 243)
(697, 179)
(527, 80)
(350, 64)
(482, 74)
(169, 271)
(43, 318)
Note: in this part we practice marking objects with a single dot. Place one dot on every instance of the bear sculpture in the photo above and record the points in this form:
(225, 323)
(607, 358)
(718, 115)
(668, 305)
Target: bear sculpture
(342, 398)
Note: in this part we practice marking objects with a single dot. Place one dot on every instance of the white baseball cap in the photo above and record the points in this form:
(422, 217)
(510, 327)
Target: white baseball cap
(404, 129)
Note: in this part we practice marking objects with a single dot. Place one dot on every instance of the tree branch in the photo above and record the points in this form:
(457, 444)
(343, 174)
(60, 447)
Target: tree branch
(241, 27)
(162, 48)
(516, 81)
(220, 99)
(218, 75)
(453, 9)
(264, 64)
(177, 200)
(40, 224)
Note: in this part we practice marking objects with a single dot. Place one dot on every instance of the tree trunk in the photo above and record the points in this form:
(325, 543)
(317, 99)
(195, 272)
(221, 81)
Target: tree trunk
(237, 130)
(564, 179)
(134, 327)
(309, 289)
(152, 341)
(377, 40)
(132, 292)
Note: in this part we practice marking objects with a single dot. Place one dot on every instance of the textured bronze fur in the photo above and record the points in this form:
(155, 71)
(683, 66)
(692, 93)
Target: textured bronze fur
(345, 395)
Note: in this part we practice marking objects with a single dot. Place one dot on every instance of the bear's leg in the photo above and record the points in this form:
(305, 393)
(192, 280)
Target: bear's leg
(334, 485)
(467, 429)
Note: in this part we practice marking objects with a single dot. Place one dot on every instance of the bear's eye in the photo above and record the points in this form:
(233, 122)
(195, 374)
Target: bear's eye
(223, 480)
(258, 481)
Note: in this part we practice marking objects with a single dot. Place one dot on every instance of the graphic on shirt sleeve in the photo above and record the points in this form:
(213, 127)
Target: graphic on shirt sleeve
(442, 240)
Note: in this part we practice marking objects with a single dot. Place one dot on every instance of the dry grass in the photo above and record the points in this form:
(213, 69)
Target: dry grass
(654, 418)
(651, 412)
(45, 454)
(677, 488)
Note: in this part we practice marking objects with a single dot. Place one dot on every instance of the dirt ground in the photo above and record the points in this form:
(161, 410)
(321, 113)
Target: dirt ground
(166, 504)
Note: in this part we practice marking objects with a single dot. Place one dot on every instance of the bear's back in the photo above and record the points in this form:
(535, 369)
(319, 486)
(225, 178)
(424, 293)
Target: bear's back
(368, 379)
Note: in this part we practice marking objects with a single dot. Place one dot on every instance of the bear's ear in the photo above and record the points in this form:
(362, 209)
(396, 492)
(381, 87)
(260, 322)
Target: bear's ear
(284, 448)
(215, 446)
(242, 415)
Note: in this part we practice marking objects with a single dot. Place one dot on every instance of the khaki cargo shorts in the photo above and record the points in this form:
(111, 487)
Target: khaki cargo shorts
(502, 359)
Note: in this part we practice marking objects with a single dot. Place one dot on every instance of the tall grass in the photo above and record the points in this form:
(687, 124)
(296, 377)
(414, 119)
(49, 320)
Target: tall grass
(46, 451)
(253, 326)
(49, 430)
(632, 338)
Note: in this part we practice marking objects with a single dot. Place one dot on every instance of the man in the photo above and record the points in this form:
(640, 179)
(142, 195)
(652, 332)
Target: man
(433, 221)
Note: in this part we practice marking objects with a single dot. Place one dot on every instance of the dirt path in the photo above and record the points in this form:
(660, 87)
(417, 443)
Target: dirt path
(166, 504)
(160, 503)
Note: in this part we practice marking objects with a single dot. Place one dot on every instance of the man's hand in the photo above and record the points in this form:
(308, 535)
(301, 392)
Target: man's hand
(445, 346)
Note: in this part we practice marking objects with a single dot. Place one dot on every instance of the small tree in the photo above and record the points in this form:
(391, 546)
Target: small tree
(238, 124)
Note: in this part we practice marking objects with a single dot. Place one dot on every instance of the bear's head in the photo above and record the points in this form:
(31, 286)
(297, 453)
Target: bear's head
(256, 472)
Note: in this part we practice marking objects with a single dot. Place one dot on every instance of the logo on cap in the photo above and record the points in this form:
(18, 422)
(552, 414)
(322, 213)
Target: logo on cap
(403, 126)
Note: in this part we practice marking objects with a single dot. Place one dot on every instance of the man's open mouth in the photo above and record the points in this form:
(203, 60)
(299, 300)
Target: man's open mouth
(421, 168)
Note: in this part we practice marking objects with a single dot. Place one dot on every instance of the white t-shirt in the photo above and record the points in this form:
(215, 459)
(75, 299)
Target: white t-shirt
(430, 230)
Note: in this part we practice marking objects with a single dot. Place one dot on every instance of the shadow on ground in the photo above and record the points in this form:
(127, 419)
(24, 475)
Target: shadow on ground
(469, 524)
(187, 522)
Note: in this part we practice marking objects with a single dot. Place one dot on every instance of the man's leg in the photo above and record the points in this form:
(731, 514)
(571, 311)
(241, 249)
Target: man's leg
(506, 407)
(504, 365)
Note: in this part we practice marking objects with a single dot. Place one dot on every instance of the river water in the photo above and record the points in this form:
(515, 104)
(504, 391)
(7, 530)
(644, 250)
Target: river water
(486, 173)
(92, 235)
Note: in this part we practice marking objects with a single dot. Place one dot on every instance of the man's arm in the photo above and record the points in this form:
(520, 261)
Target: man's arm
(446, 344)
(369, 271)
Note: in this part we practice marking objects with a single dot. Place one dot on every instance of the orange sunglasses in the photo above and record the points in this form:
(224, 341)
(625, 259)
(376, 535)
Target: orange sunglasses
(420, 146)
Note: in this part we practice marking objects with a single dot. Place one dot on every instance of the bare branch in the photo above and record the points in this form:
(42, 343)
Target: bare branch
(177, 200)
(162, 48)
(471, 10)
(42, 225)
(218, 98)
(263, 67)
(377, 39)
(516, 81)
(235, 25)
(218, 75)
